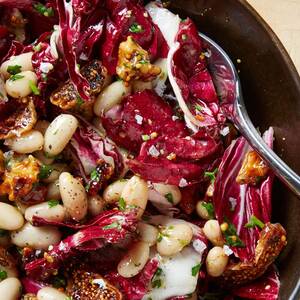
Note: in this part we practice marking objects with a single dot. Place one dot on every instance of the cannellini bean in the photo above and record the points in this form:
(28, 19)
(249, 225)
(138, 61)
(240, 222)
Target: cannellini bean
(135, 193)
(148, 233)
(202, 211)
(95, 205)
(46, 211)
(139, 86)
(113, 192)
(111, 96)
(73, 196)
(59, 133)
(22, 60)
(213, 232)
(57, 169)
(36, 237)
(10, 217)
(216, 261)
(21, 87)
(170, 192)
(40, 155)
(50, 293)
(172, 239)
(27, 143)
(53, 192)
(10, 289)
(135, 260)
(42, 126)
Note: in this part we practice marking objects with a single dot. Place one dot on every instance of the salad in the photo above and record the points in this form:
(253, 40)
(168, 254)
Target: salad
(122, 173)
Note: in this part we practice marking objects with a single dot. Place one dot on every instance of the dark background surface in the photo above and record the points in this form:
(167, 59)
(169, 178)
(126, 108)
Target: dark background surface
(271, 88)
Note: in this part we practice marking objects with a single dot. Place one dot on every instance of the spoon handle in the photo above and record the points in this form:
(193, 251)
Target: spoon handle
(279, 167)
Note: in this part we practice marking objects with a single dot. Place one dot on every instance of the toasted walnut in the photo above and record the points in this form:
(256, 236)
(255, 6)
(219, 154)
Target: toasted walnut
(20, 175)
(86, 285)
(17, 117)
(134, 63)
(29, 297)
(253, 169)
(67, 97)
(271, 242)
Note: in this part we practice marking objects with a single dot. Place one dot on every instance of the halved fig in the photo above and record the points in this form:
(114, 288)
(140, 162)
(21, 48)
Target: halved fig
(271, 242)
(17, 117)
(86, 285)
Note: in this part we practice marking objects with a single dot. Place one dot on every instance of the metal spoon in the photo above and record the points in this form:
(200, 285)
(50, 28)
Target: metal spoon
(228, 85)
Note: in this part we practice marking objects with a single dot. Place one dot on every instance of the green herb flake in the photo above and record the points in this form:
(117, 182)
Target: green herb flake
(255, 222)
(231, 236)
(146, 137)
(159, 237)
(169, 197)
(16, 77)
(52, 203)
(211, 175)
(37, 48)
(198, 107)
(45, 171)
(95, 175)
(3, 274)
(34, 88)
(43, 10)
(112, 225)
(13, 70)
(136, 28)
(79, 101)
(196, 269)
(144, 61)
(156, 281)
(122, 204)
(210, 209)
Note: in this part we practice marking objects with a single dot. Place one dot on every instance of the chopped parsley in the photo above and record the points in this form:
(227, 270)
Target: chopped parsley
(136, 28)
(45, 171)
(255, 222)
(112, 225)
(34, 88)
(156, 281)
(43, 10)
(3, 274)
(16, 77)
(146, 137)
(211, 175)
(198, 107)
(13, 70)
(196, 269)
(231, 236)
(210, 209)
(79, 101)
(169, 197)
(122, 204)
(95, 175)
(37, 48)
(52, 203)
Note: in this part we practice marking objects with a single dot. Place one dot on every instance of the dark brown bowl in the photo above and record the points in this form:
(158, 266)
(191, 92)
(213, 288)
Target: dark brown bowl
(271, 87)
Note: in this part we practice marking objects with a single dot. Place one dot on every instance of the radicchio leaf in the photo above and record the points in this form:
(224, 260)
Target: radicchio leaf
(31, 286)
(237, 203)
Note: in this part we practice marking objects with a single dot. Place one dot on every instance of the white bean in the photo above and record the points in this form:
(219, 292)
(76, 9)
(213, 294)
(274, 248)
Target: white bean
(113, 192)
(53, 192)
(148, 233)
(216, 261)
(59, 133)
(213, 232)
(42, 126)
(10, 217)
(110, 96)
(170, 192)
(202, 211)
(95, 205)
(57, 169)
(28, 142)
(139, 85)
(73, 196)
(22, 60)
(40, 155)
(135, 193)
(50, 293)
(10, 289)
(36, 237)
(172, 239)
(20, 87)
(46, 211)
(135, 260)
